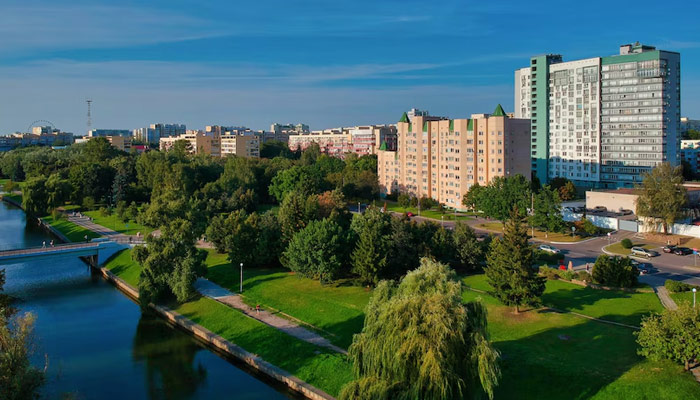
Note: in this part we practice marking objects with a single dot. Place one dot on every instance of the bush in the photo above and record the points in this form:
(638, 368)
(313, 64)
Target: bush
(567, 275)
(88, 203)
(547, 258)
(583, 276)
(105, 211)
(404, 200)
(626, 243)
(549, 273)
(57, 215)
(614, 271)
(678, 287)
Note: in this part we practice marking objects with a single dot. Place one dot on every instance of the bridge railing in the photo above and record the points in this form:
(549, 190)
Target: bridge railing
(57, 247)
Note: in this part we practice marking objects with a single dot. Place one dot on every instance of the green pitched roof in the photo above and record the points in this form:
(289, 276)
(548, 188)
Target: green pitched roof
(404, 118)
(498, 112)
(425, 126)
(383, 146)
(470, 125)
(452, 125)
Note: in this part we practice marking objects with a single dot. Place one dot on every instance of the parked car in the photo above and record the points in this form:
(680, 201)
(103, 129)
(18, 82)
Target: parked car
(642, 252)
(624, 211)
(669, 248)
(682, 251)
(409, 214)
(549, 249)
(600, 209)
(644, 268)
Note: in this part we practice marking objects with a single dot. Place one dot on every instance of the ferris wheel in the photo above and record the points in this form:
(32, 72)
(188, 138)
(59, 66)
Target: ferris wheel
(41, 122)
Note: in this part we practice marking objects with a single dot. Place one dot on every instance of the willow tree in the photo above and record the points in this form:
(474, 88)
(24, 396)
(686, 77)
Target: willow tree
(662, 195)
(420, 341)
(509, 266)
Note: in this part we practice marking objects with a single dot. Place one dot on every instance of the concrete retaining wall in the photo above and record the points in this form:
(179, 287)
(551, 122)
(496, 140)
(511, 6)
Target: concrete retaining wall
(222, 344)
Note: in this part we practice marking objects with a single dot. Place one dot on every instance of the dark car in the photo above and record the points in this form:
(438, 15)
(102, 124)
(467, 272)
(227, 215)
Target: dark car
(669, 248)
(682, 251)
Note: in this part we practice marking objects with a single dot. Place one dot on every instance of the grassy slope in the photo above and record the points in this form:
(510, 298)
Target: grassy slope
(324, 369)
(113, 223)
(560, 356)
(685, 297)
(434, 214)
(73, 232)
(618, 249)
(336, 310)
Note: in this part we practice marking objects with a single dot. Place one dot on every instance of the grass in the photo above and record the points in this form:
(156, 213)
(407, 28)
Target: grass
(617, 248)
(263, 208)
(73, 232)
(432, 214)
(685, 297)
(551, 237)
(15, 197)
(561, 356)
(114, 223)
(335, 310)
(321, 368)
(124, 267)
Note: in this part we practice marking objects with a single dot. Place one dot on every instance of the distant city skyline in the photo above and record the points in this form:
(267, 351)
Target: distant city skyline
(325, 65)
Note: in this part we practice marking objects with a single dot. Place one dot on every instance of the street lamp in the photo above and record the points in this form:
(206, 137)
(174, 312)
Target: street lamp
(694, 290)
(358, 208)
(443, 221)
(241, 290)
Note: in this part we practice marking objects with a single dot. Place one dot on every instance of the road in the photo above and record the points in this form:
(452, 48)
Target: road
(667, 266)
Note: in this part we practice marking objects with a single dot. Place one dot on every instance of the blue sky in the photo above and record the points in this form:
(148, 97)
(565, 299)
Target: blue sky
(325, 63)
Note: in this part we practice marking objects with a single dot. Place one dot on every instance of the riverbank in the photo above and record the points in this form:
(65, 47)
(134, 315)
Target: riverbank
(219, 343)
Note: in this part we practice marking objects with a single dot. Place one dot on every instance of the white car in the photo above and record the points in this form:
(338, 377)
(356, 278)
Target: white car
(549, 249)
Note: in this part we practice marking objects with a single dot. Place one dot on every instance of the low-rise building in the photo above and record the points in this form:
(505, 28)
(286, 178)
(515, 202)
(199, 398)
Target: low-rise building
(442, 158)
(621, 199)
(289, 128)
(122, 143)
(109, 132)
(690, 153)
(689, 124)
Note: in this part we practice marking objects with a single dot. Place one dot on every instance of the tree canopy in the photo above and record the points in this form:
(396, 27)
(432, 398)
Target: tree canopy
(662, 195)
(419, 341)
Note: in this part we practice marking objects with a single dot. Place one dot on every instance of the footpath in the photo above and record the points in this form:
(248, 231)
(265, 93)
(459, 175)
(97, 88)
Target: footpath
(212, 290)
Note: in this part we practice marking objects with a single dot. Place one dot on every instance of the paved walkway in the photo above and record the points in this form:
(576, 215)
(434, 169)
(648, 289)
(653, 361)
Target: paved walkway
(222, 295)
(86, 223)
(666, 300)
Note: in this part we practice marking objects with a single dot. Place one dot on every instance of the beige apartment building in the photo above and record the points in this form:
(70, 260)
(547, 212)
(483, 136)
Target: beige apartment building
(242, 145)
(200, 142)
(338, 142)
(442, 158)
(122, 143)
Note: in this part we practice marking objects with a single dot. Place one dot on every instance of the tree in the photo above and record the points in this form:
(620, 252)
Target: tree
(565, 188)
(693, 134)
(369, 258)
(472, 198)
(296, 211)
(662, 195)
(503, 195)
(509, 266)
(420, 342)
(317, 251)
(469, 252)
(442, 246)
(547, 211)
(614, 271)
(170, 263)
(35, 199)
(276, 148)
(58, 190)
(404, 200)
(672, 335)
(295, 179)
(403, 255)
(240, 240)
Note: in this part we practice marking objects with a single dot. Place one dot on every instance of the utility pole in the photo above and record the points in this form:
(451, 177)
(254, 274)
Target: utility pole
(89, 115)
(241, 289)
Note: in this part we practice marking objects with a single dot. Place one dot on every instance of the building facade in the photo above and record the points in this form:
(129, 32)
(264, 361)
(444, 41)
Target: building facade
(154, 132)
(242, 145)
(690, 153)
(688, 124)
(200, 142)
(337, 142)
(109, 132)
(603, 121)
(289, 128)
(442, 158)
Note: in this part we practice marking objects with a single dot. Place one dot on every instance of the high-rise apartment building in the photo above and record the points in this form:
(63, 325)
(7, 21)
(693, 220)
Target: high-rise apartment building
(200, 142)
(601, 121)
(154, 132)
(442, 158)
(361, 140)
(242, 145)
(289, 128)
(109, 132)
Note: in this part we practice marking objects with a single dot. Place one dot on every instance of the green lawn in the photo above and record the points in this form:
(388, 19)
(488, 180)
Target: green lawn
(73, 232)
(551, 237)
(15, 197)
(124, 267)
(685, 297)
(434, 214)
(336, 310)
(324, 369)
(618, 249)
(115, 224)
(561, 356)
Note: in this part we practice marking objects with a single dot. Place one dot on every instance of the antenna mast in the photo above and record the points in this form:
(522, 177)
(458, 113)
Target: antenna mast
(89, 115)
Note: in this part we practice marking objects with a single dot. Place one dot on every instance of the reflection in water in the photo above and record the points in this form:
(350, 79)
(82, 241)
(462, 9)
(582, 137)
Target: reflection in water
(171, 370)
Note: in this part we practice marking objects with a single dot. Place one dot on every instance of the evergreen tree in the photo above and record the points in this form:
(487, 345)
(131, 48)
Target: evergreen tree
(469, 252)
(509, 266)
(547, 211)
(369, 258)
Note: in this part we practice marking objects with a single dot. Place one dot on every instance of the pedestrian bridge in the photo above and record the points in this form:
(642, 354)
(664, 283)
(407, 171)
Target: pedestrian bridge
(95, 252)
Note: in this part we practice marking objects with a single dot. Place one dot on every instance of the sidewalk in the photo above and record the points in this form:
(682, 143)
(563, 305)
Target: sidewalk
(224, 296)
(86, 223)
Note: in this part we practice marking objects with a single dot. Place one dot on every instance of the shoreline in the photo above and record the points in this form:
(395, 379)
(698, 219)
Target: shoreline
(208, 338)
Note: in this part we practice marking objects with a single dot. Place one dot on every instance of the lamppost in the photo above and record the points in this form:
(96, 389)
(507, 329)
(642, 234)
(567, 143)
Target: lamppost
(694, 290)
(241, 290)
(358, 208)
(443, 221)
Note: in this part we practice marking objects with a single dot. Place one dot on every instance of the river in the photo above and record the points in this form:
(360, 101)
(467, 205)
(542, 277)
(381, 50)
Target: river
(98, 343)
